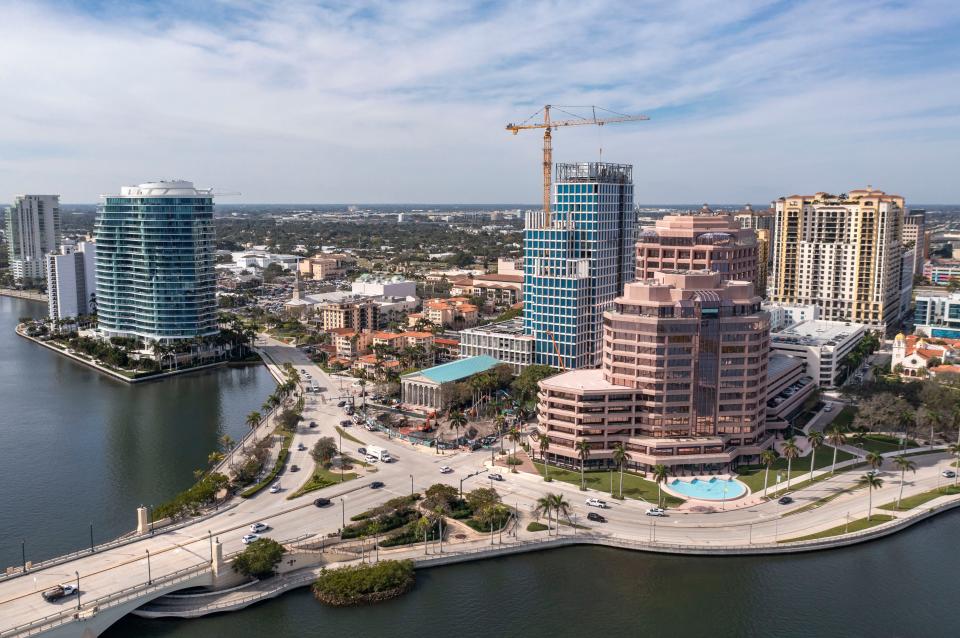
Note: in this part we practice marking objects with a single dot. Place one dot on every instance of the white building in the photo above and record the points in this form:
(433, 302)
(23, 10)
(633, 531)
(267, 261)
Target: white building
(823, 344)
(33, 231)
(504, 341)
(257, 258)
(938, 316)
(72, 280)
(784, 315)
(373, 285)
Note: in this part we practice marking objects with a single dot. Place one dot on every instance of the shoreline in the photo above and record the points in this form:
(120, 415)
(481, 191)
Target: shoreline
(26, 295)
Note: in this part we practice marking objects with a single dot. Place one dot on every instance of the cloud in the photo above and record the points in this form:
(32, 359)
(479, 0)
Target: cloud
(370, 101)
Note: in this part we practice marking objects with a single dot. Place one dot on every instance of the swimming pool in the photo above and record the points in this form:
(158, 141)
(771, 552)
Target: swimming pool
(710, 490)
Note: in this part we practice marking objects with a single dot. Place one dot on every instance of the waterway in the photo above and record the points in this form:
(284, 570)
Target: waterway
(77, 447)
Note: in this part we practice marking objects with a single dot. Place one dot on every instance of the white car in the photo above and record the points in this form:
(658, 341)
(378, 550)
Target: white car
(828, 408)
(371, 459)
(596, 502)
(274, 488)
(948, 474)
(249, 538)
(656, 511)
(256, 528)
(446, 469)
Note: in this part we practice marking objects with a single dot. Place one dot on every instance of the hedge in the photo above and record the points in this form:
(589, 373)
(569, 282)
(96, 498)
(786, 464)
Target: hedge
(277, 468)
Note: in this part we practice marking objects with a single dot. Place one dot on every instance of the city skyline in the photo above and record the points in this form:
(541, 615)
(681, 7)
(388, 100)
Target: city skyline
(407, 102)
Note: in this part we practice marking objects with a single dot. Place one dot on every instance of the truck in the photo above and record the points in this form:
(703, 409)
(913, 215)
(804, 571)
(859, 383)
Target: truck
(379, 453)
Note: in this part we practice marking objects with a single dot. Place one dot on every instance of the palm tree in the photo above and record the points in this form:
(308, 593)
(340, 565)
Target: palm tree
(836, 437)
(561, 506)
(499, 421)
(903, 464)
(790, 451)
(544, 506)
(815, 440)
(860, 435)
(583, 451)
(767, 457)
(873, 482)
(874, 460)
(253, 419)
(423, 526)
(515, 436)
(457, 420)
(620, 456)
(660, 474)
(544, 441)
(955, 450)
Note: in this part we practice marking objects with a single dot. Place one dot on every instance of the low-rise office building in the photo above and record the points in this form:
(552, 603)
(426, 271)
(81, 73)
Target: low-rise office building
(430, 388)
(505, 341)
(822, 344)
(938, 316)
(784, 315)
(942, 272)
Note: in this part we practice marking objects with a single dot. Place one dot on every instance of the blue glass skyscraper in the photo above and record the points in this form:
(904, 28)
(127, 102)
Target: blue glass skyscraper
(577, 260)
(155, 262)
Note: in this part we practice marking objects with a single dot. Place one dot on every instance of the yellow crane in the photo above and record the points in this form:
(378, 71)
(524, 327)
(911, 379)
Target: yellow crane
(548, 125)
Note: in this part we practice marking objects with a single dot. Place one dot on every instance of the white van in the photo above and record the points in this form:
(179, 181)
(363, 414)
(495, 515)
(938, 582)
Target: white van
(379, 453)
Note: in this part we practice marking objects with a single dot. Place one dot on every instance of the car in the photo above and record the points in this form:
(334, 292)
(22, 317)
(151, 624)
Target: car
(369, 458)
(294, 468)
(446, 469)
(496, 477)
(785, 500)
(345, 423)
(302, 371)
(596, 502)
(376, 485)
(313, 424)
(274, 488)
(349, 410)
(340, 404)
(656, 511)
(828, 408)
(593, 516)
(948, 474)
(256, 528)
(249, 538)
(58, 592)
(362, 450)
(370, 427)
(321, 502)
(301, 447)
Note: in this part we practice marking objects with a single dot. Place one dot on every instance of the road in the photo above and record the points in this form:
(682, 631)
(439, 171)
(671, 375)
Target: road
(112, 570)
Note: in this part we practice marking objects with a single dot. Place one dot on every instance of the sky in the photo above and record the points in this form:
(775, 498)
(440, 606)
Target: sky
(369, 101)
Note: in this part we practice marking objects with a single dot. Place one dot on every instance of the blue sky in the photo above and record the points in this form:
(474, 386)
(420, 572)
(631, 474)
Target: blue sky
(376, 101)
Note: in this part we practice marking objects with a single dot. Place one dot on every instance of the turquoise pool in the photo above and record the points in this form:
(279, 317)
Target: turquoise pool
(710, 490)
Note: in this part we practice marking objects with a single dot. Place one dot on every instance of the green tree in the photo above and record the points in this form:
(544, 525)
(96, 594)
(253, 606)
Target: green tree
(790, 451)
(814, 440)
(544, 442)
(525, 385)
(836, 437)
(660, 474)
(544, 506)
(874, 460)
(561, 506)
(324, 450)
(955, 450)
(873, 482)
(515, 436)
(583, 451)
(768, 457)
(259, 558)
(620, 456)
(457, 420)
(903, 464)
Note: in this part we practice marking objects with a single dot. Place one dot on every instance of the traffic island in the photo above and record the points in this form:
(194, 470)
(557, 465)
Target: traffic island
(364, 584)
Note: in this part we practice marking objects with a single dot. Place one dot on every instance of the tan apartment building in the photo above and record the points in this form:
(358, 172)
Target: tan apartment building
(353, 313)
(683, 380)
(455, 312)
(698, 242)
(326, 266)
(842, 253)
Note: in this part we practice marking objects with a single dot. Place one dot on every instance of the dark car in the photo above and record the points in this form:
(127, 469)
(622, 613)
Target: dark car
(340, 404)
(294, 468)
(313, 424)
(785, 500)
(321, 502)
(593, 516)
(376, 485)
(496, 477)
(345, 423)
(362, 450)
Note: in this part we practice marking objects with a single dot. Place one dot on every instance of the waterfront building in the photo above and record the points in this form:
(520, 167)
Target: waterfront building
(698, 242)
(915, 234)
(430, 388)
(32, 225)
(822, 344)
(938, 316)
(683, 381)
(72, 280)
(505, 341)
(155, 263)
(842, 253)
(576, 261)
(942, 272)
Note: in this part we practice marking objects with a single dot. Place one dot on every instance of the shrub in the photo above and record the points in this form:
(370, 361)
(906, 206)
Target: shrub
(364, 583)
(536, 527)
(259, 559)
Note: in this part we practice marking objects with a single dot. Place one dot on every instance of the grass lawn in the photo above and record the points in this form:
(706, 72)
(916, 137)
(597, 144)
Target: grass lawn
(854, 526)
(322, 478)
(752, 475)
(348, 436)
(823, 501)
(909, 502)
(881, 443)
(844, 417)
(536, 527)
(634, 485)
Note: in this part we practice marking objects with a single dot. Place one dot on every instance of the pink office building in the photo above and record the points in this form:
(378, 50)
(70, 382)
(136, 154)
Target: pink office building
(683, 380)
(698, 242)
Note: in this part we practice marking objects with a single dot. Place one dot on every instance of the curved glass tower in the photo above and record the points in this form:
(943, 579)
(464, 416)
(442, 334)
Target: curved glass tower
(155, 262)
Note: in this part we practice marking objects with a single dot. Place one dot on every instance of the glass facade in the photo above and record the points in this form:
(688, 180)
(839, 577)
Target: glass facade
(155, 263)
(577, 261)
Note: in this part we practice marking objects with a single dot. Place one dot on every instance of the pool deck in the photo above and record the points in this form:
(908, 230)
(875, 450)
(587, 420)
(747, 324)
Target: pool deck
(693, 504)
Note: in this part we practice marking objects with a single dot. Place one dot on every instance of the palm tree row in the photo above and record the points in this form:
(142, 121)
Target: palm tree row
(550, 503)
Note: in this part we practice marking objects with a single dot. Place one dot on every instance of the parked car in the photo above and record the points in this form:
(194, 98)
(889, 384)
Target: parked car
(656, 511)
(446, 469)
(249, 538)
(948, 474)
(313, 424)
(369, 427)
(785, 500)
(376, 485)
(369, 458)
(340, 404)
(345, 423)
(58, 592)
(496, 477)
(294, 468)
(593, 516)
(596, 502)
(274, 488)
(321, 502)
(828, 408)
(362, 450)
(256, 528)
(301, 447)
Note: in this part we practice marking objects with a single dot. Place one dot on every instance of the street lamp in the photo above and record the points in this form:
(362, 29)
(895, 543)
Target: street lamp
(341, 454)
(78, 588)
(210, 538)
(411, 485)
(149, 576)
(343, 513)
(23, 553)
(91, 538)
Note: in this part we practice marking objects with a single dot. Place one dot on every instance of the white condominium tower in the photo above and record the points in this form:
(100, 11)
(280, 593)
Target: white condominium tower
(33, 230)
(842, 253)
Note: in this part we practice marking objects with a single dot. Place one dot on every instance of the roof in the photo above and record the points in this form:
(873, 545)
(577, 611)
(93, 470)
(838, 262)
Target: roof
(583, 379)
(441, 341)
(457, 370)
(417, 335)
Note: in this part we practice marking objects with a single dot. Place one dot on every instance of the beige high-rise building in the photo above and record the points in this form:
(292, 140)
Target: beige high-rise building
(915, 232)
(842, 253)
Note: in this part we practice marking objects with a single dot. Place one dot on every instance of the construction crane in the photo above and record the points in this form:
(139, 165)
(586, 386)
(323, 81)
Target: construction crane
(548, 125)
(556, 349)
